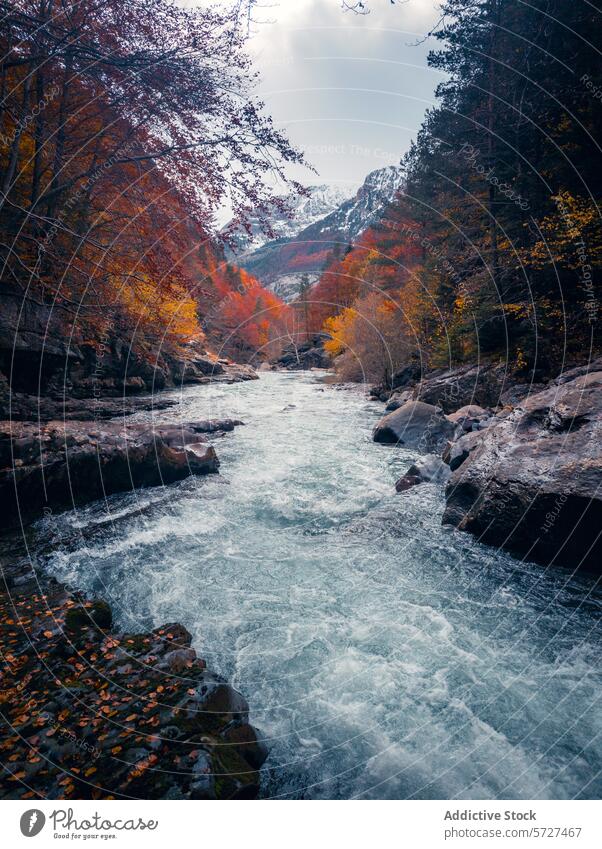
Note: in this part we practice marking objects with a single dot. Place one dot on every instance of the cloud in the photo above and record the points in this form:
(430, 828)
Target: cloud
(351, 90)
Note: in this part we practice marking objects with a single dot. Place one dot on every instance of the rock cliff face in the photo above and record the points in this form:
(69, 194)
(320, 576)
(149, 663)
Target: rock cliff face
(532, 482)
(484, 384)
(64, 464)
(96, 713)
(39, 359)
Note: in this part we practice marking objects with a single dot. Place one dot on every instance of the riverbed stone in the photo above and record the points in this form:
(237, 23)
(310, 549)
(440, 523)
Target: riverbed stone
(415, 425)
(179, 660)
(245, 740)
(97, 615)
(223, 701)
(533, 481)
(429, 469)
(84, 723)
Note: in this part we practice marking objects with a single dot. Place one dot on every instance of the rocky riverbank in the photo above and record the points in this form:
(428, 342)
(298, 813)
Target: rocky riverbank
(525, 461)
(111, 398)
(90, 712)
(87, 710)
(304, 355)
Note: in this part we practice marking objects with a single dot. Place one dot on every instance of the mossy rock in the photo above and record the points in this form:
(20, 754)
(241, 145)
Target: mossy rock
(244, 740)
(97, 615)
(232, 776)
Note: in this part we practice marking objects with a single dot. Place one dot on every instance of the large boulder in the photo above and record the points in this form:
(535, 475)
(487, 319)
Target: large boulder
(452, 389)
(415, 425)
(533, 481)
(245, 740)
(62, 464)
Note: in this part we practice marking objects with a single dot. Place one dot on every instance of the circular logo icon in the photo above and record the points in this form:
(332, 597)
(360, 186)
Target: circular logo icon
(32, 822)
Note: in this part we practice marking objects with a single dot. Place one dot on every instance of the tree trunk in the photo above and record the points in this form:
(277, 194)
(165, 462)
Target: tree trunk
(36, 175)
(60, 136)
(491, 145)
(14, 150)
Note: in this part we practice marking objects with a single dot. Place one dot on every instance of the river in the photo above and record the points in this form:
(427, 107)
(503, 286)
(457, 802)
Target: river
(383, 655)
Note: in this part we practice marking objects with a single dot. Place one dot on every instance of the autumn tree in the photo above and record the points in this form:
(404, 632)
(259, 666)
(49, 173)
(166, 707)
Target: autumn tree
(499, 219)
(124, 128)
(369, 339)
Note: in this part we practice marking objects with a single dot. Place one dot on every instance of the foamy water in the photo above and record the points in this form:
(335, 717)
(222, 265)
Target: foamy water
(383, 656)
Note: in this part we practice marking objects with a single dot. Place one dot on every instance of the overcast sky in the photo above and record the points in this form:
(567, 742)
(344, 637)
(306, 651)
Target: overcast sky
(349, 90)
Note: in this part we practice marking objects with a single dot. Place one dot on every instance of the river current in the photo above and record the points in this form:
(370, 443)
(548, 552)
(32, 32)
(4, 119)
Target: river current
(382, 655)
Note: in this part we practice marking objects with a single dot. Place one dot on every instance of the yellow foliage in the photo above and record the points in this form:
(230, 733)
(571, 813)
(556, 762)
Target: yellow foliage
(570, 234)
(173, 313)
(336, 326)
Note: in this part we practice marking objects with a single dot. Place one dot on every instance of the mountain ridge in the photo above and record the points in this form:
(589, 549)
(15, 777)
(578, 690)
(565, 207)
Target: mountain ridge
(281, 264)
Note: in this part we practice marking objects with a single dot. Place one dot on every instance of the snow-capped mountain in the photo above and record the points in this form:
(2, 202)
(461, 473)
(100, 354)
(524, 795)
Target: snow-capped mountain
(353, 216)
(306, 242)
(319, 203)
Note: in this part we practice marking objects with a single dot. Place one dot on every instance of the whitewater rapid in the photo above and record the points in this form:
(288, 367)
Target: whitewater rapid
(382, 655)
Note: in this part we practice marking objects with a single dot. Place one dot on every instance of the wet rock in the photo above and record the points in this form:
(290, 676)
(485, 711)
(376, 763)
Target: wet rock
(201, 459)
(63, 464)
(214, 425)
(83, 725)
(533, 482)
(429, 469)
(416, 425)
(173, 634)
(398, 399)
(225, 702)
(461, 449)
(97, 615)
(179, 660)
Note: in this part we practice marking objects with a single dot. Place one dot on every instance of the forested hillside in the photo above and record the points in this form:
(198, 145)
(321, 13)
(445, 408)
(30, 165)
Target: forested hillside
(125, 128)
(493, 247)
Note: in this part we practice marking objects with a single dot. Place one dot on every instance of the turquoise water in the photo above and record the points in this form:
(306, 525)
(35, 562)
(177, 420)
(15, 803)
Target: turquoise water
(383, 656)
